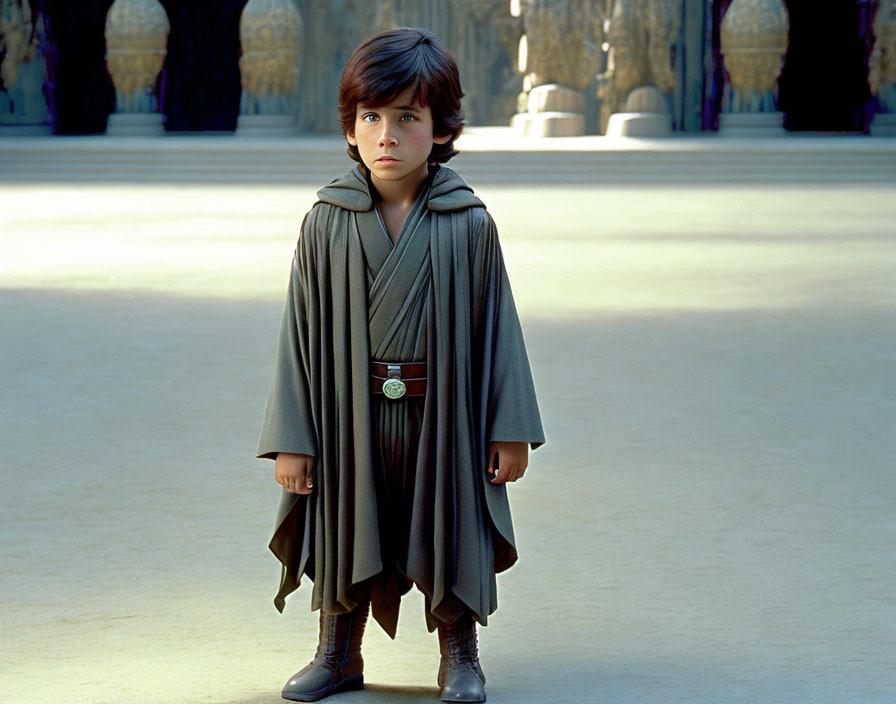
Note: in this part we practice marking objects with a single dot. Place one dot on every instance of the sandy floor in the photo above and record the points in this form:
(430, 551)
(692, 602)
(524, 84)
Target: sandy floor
(713, 518)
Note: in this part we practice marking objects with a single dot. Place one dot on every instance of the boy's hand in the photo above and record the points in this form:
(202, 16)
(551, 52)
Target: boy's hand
(293, 472)
(513, 458)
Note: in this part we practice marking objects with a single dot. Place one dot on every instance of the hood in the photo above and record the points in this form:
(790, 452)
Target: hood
(448, 191)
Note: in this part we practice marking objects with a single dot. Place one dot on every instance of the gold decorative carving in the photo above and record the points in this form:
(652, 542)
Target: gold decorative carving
(641, 35)
(15, 41)
(271, 39)
(136, 41)
(562, 40)
(753, 43)
(882, 64)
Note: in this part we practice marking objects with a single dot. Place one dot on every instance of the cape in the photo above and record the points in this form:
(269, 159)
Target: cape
(442, 294)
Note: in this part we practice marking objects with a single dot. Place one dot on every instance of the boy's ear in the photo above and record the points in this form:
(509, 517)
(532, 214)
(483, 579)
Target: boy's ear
(350, 138)
(442, 139)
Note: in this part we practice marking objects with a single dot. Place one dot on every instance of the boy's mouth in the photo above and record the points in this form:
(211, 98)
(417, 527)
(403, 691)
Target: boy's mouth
(387, 159)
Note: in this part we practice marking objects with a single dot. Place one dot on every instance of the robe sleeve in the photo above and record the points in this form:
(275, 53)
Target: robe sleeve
(288, 422)
(511, 412)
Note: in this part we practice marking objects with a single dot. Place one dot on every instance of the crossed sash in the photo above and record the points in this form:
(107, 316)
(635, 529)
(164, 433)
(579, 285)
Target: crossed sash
(401, 277)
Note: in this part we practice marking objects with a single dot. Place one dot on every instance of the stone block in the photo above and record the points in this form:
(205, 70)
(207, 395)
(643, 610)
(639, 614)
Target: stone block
(883, 124)
(552, 97)
(549, 124)
(518, 123)
(751, 124)
(639, 124)
(646, 99)
(135, 124)
(266, 126)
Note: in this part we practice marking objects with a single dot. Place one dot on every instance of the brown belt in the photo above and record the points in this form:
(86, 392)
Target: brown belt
(397, 379)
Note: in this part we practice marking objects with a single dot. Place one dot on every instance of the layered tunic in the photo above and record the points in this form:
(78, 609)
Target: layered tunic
(441, 294)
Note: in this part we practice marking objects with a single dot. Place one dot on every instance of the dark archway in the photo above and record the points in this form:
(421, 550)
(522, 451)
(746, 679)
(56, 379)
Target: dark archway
(824, 84)
(200, 81)
(81, 93)
(198, 87)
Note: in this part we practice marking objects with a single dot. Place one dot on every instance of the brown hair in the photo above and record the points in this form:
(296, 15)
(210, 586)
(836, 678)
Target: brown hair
(392, 61)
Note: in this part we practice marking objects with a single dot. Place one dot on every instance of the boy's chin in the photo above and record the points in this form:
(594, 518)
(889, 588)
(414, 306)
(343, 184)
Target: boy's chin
(395, 172)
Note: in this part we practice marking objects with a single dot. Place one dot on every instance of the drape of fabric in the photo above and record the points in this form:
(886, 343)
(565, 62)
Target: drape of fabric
(396, 429)
(440, 294)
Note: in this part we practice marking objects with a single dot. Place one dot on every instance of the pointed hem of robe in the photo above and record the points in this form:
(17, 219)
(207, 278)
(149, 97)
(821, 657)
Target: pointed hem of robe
(290, 580)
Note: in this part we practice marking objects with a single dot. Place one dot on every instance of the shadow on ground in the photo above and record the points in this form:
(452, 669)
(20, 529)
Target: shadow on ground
(706, 522)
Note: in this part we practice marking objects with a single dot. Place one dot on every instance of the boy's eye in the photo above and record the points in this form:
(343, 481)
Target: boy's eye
(372, 116)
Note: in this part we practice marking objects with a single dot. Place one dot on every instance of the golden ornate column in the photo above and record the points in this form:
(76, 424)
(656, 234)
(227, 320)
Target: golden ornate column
(559, 56)
(23, 71)
(640, 78)
(136, 43)
(882, 69)
(271, 41)
(753, 37)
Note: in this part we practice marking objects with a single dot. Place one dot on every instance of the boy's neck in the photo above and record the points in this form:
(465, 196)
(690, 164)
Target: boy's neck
(403, 192)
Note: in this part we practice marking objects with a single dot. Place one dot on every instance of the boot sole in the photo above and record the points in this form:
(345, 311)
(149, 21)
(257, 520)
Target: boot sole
(349, 684)
(452, 699)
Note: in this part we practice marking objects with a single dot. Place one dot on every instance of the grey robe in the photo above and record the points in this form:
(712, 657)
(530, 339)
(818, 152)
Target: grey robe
(441, 294)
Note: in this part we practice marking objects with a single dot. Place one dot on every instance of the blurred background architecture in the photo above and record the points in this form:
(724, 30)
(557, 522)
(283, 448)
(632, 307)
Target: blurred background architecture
(544, 67)
(710, 316)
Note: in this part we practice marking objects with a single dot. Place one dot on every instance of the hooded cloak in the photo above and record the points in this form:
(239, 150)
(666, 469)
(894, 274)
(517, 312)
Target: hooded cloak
(440, 294)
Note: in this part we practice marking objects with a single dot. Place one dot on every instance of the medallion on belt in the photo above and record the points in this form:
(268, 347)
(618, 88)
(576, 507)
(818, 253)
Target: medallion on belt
(394, 388)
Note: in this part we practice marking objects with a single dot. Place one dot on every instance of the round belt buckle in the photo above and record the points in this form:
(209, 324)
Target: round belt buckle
(394, 388)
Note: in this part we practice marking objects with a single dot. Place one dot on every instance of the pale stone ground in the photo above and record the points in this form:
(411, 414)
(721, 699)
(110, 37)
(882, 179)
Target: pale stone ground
(713, 518)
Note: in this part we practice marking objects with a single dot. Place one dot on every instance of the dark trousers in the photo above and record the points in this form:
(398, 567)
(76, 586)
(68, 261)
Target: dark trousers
(396, 434)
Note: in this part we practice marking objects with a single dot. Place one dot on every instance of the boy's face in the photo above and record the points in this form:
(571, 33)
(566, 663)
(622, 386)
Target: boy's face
(401, 130)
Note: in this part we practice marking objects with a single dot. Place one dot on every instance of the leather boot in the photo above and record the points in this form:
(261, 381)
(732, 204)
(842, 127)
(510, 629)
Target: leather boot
(337, 665)
(460, 675)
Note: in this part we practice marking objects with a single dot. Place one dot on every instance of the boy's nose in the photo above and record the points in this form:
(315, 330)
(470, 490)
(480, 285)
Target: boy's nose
(387, 137)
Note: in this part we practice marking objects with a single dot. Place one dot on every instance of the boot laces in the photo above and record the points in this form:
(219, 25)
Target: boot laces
(347, 628)
(461, 645)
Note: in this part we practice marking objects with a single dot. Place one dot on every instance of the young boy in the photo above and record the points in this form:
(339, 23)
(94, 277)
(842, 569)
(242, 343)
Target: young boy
(402, 399)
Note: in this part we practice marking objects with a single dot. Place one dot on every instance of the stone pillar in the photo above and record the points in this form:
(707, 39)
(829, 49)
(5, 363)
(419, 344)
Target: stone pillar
(484, 39)
(646, 114)
(642, 37)
(271, 39)
(694, 48)
(753, 43)
(882, 69)
(136, 41)
(559, 56)
(333, 30)
(23, 71)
